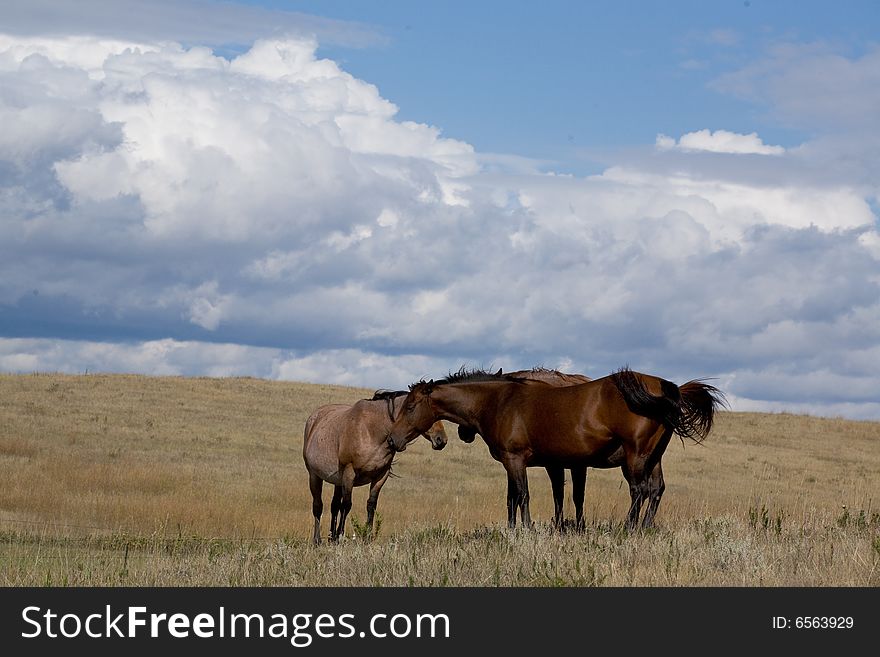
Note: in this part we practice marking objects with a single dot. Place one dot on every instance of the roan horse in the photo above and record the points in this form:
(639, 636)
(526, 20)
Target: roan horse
(346, 445)
(531, 425)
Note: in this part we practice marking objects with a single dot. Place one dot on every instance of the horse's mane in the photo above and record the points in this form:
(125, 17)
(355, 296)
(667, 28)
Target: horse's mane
(385, 395)
(473, 375)
(544, 370)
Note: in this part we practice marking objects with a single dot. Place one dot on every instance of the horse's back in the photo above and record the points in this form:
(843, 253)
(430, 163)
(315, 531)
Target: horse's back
(551, 377)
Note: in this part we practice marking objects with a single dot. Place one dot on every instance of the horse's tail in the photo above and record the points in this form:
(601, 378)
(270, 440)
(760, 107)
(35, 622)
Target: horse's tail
(699, 401)
(689, 409)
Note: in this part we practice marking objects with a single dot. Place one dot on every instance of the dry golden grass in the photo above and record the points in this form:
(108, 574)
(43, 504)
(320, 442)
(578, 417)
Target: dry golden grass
(131, 480)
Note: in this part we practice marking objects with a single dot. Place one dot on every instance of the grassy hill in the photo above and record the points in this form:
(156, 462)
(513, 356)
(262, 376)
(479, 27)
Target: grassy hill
(132, 480)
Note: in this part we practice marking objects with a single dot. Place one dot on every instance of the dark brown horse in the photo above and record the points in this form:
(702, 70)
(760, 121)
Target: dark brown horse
(574, 426)
(346, 445)
(556, 474)
(656, 484)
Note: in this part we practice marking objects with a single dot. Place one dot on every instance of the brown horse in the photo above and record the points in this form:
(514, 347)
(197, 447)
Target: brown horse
(533, 425)
(656, 484)
(556, 474)
(346, 445)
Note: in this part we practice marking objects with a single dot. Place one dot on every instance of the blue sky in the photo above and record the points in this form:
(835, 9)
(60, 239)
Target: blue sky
(565, 82)
(368, 193)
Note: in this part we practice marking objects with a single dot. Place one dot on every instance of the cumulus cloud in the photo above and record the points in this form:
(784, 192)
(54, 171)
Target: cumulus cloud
(171, 211)
(719, 141)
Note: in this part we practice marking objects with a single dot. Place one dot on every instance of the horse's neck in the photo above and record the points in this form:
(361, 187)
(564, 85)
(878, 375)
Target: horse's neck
(461, 403)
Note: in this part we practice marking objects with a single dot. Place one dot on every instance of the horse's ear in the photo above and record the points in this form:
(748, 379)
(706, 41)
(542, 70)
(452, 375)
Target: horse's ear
(429, 388)
(498, 373)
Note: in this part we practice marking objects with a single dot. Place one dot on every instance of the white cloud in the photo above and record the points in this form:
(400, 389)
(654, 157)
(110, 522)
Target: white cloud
(154, 357)
(244, 142)
(719, 141)
(871, 241)
(857, 411)
(387, 218)
(729, 208)
(354, 367)
(207, 307)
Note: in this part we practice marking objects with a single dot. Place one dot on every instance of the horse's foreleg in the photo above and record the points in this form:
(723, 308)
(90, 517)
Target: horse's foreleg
(335, 504)
(578, 486)
(557, 482)
(316, 486)
(511, 501)
(656, 486)
(373, 499)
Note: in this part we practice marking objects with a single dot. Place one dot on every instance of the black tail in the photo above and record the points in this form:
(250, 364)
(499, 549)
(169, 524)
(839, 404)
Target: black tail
(689, 410)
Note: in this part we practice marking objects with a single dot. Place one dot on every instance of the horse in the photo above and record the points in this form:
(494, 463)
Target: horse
(526, 425)
(556, 474)
(345, 445)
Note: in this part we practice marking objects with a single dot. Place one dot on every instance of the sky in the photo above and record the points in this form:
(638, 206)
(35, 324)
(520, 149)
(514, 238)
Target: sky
(371, 193)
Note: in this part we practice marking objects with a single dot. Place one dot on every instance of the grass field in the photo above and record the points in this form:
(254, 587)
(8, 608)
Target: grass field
(164, 481)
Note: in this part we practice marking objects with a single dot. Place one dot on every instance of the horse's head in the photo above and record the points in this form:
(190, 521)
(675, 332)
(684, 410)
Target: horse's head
(437, 435)
(417, 417)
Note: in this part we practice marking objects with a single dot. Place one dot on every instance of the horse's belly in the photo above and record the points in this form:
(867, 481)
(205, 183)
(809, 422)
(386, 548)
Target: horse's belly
(323, 462)
(577, 450)
(332, 474)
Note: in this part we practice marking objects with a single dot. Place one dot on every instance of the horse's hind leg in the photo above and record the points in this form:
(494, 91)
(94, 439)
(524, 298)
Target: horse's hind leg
(517, 490)
(345, 505)
(638, 469)
(373, 499)
(656, 486)
(578, 486)
(654, 479)
(316, 485)
(557, 483)
(335, 505)
(634, 473)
